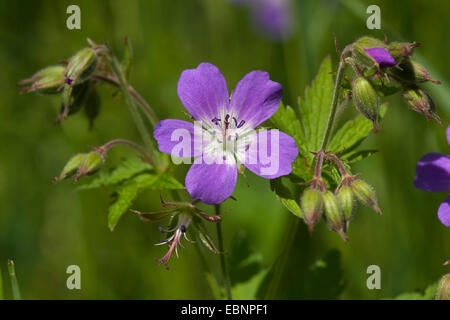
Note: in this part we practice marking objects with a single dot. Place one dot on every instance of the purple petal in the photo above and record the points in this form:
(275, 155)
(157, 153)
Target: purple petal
(203, 91)
(256, 98)
(444, 212)
(433, 173)
(382, 56)
(171, 132)
(211, 183)
(448, 134)
(270, 154)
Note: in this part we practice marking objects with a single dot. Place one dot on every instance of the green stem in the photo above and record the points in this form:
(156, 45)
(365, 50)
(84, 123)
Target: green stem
(133, 108)
(126, 142)
(334, 104)
(1, 285)
(14, 282)
(223, 263)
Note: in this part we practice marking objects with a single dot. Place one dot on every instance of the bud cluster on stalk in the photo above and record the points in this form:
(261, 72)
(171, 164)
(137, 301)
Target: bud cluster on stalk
(336, 207)
(383, 69)
(72, 79)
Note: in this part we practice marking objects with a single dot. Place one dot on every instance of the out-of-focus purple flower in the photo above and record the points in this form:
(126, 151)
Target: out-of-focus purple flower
(382, 57)
(272, 17)
(223, 135)
(433, 175)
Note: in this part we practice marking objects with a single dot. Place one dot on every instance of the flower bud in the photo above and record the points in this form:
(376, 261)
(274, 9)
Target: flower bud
(386, 84)
(443, 288)
(311, 203)
(402, 50)
(81, 66)
(49, 80)
(412, 71)
(71, 166)
(345, 198)
(371, 53)
(333, 213)
(91, 164)
(420, 101)
(365, 194)
(366, 99)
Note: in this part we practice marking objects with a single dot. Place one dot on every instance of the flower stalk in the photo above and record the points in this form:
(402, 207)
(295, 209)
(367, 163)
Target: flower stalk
(223, 263)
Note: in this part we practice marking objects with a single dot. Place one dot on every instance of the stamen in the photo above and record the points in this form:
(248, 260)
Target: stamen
(216, 120)
(240, 124)
(183, 228)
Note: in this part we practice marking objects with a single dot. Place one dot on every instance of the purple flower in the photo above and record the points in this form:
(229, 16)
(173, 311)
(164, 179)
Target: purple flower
(382, 57)
(223, 136)
(433, 175)
(271, 17)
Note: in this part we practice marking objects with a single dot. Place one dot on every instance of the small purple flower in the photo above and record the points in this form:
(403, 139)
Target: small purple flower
(223, 136)
(433, 175)
(382, 57)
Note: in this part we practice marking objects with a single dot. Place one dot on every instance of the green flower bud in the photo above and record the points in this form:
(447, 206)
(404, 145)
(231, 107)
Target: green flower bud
(49, 80)
(345, 198)
(366, 99)
(311, 204)
(81, 66)
(412, 71)
(385, 84)
(401, 51)
(365, 194)
(92, 163)
(72, 166)
(443, 288)
(333, 213)
(420, 101)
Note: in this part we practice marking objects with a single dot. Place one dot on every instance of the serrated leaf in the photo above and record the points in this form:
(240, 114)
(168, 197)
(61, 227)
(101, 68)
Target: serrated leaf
(301, 169)
(315, 106)
(126, 193)
(284, 195)
(355, 156)
(352, 133)
(126, 170)
(287, 121)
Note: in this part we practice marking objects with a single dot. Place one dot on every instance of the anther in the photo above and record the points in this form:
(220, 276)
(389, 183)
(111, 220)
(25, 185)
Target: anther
(183, 228)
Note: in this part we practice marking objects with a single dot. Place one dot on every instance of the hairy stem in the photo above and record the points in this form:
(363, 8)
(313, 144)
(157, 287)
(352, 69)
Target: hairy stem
(334, 104)
(225, 274)
(132, 144)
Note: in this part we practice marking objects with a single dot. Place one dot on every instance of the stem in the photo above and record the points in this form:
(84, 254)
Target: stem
(116, 142)
(151, 115)
(334, 103)
(1, 285)
(133, 108)
(225, 274)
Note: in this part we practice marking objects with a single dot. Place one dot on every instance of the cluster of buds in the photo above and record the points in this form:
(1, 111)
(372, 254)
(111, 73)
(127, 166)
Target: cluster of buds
(181, 215)
(337, 207)
(82, 164)
(384, 69)
(72, 79)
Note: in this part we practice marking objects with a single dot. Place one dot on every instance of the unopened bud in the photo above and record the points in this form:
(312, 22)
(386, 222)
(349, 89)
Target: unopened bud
(71, 167)
(371, 53)
(92, 163)
(333, 213)
(443, 288)
(365, 194)
(81, 66)
(402, 50)
(420, 101)
(311, 203)
(49, 80)
(366, 99)
(412, 71)
(345, 198)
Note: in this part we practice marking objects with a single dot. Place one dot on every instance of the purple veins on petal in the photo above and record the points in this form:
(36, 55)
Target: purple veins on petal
(444, 212)
(433, 173)
(382, 57)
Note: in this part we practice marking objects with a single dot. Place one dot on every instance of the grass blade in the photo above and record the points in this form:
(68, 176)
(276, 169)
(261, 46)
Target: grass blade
(14, 283)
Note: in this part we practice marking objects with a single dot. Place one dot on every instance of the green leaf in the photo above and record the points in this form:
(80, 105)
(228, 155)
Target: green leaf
(284, 195)
(315, 106)
(126, 193)
(427, 294)
(126, 170)
(14, 282)
(244, 264)
(287, 121)
(352, 133)
(355, 156)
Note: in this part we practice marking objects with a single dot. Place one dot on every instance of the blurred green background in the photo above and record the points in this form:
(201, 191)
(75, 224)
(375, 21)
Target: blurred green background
(46, 227)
